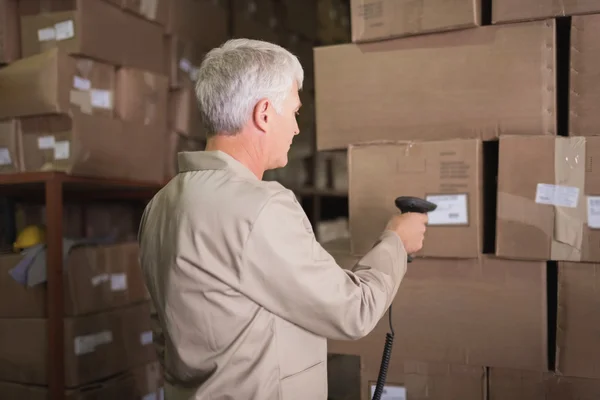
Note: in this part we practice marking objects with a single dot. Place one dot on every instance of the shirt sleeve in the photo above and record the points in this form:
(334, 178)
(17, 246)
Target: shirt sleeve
(286, 271)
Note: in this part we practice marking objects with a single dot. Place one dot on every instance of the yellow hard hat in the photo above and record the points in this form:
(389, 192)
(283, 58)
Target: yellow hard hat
(30, 236)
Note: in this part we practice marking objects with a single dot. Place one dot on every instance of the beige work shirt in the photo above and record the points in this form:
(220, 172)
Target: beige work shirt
(245, 296)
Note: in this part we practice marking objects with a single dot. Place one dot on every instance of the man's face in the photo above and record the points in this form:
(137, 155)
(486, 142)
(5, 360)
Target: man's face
(283, 129)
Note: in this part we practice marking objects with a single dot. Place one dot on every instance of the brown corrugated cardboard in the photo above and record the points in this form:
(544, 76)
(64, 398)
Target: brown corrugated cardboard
(96, 346)
(448, 173)
(96, 279)
(185, 57)
(142, 97)
(518, 10)
(177, 143)
(149, 382)
(10, 46)
(385, 19)
(184, 115)
(470, 83)
(584, 82)
(153, 10)
(486, 312)
(202, 21)
(33, 7)
(423, 381)
(130, 40)
(10, 160)
(507, 384)
(93, 146)
(53, 82)
(578, 324)
(547, 203)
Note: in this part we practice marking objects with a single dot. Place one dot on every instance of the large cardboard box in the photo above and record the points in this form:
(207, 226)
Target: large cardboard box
(517, 10)
(10, 159)
(384, 19)
(578, 321)
(141, 383)
(98, 30)
(185, 57)
(584, 79)
(547, 198)
(448, 173)
(424, 381)
(204, 22)
(486, 312)
(10, 46)
(184, 114)
(97, 346)
(142, 97)
(527, 385)
(85, 145)
(54, 82)
(153, 10)
(471, 83)
(96, 278)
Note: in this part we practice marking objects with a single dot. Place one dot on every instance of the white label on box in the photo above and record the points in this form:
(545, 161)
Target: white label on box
(146, 338)
(45, 142)
(64, 30)
(557, 195)
(88, 343)
(98, 279)
(118, 282)
(391, 392)
(62, 150)
(161, 394)
(5, 156)
(451, 209)
(593, 211)
(46, 34)
(149, 396)
(81, 83)
(185, 64)
(101, 98)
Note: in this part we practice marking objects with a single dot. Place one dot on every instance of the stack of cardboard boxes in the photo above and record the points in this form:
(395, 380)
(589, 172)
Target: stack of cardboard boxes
(495, 124)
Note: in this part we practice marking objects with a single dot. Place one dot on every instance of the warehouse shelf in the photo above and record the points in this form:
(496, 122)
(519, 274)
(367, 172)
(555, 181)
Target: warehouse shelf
(55, 187)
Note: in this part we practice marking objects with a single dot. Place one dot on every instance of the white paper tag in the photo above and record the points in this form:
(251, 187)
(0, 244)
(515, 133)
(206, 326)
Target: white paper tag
(64, 30)
(451, 209)
(557, 195)
(593, 212)
(88, 343)
(46, 34)
(81, 83)
(185, 64)
(45, 142)
(98, 279)
(62, 150)
(149, 396)
(101, 98)
(118, 282)
(5, 156)
(146, 338)
(391, 392)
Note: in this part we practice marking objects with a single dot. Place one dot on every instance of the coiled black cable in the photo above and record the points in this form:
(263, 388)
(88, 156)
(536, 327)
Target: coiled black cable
(385, 360)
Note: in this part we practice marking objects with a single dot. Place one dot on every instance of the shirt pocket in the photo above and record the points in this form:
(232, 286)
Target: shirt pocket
(310, 383)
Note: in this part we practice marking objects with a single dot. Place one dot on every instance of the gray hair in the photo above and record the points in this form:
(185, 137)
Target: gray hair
(234, 77)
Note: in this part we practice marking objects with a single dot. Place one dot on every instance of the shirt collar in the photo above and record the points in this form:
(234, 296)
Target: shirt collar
(211, 160)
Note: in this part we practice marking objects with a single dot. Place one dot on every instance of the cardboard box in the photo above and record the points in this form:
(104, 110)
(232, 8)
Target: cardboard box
(10, 47)
(423, 381)
(517, 10)
(547, 203)
(448, 173)
(95, 279)
(486, 312)
(470, 83)
(96, 346)
(185, 57)
(33, 7)
(141, 383)
(584, 77)
(53, 82)
(527, 385)
(578, 324)
(198, 20)
(92, 146)
(153, 10)
(142, 97)
(184, 115)
(384, 19)
(131, 40)
(10, 160)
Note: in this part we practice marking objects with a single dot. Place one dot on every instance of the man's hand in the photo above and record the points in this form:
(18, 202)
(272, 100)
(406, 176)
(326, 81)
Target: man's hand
(411, 229)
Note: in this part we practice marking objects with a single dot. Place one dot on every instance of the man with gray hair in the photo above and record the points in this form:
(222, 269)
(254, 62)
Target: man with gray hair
(245, 296)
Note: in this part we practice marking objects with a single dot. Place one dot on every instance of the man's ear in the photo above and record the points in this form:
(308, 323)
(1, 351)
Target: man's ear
(261, 114)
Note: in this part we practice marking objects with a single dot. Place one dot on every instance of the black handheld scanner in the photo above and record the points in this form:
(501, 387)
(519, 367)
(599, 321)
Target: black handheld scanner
(415, 205)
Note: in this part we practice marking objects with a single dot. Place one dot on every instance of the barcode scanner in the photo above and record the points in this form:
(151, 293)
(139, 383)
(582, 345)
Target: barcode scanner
(405, 204)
